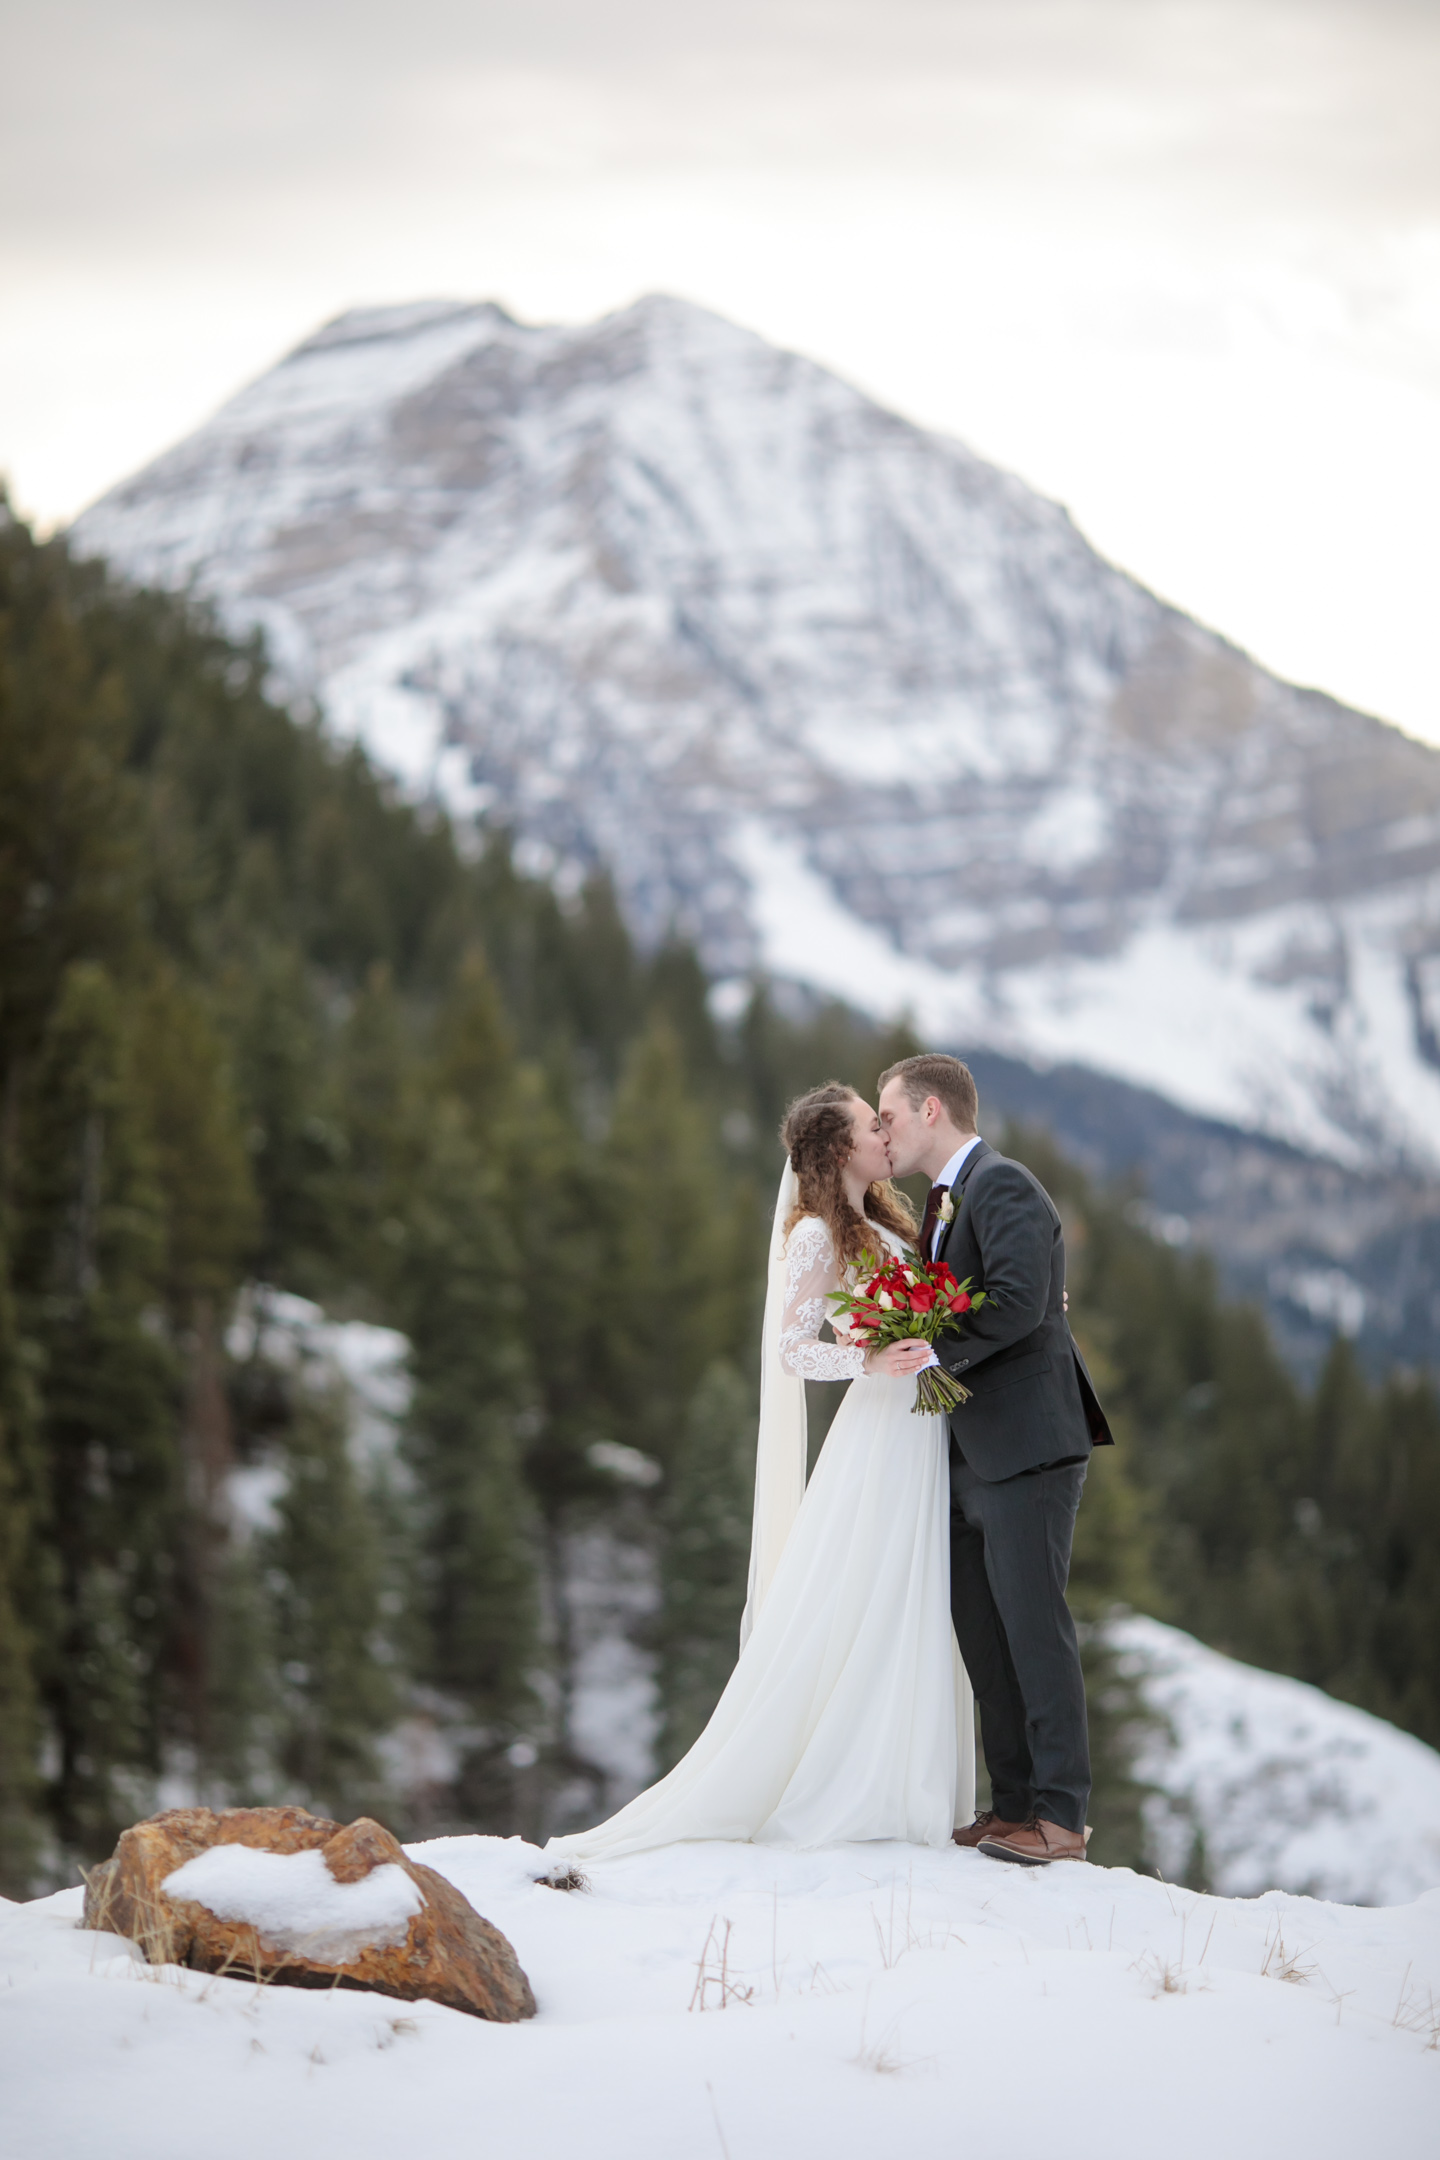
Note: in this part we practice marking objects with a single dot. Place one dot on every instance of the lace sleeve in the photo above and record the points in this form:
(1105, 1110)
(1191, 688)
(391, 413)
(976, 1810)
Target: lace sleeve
(809, 1273)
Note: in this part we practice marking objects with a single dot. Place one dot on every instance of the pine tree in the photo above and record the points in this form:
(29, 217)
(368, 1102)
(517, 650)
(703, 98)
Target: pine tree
(705, 1519)
(673, 1286)
(284, 1065)
(1401, 1532)
(326, 1566)
(461, 1311)
(460, 1294)
(1111, 1570)
(91, 1273)
(200, 1157)
(208, 1202)
(21, 1563)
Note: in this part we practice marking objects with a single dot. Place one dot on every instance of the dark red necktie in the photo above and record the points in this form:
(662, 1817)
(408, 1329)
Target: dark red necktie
(932, 1216)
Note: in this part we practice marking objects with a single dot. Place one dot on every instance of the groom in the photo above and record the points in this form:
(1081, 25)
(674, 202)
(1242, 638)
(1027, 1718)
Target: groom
(1018, 1453)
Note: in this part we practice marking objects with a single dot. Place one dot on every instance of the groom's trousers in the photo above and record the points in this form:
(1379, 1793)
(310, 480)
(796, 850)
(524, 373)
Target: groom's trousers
(1009, 1564)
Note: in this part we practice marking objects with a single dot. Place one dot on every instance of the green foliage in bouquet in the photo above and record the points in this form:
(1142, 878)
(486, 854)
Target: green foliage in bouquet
(908, 1299)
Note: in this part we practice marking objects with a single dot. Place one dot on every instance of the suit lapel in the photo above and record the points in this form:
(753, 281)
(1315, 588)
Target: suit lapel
(958, 1192)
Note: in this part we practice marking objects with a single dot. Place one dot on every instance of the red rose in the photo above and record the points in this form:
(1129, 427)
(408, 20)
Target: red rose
(960, 1302)
(922, 1297)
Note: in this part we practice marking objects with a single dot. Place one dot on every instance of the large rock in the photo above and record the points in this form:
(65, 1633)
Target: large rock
(360, 1914)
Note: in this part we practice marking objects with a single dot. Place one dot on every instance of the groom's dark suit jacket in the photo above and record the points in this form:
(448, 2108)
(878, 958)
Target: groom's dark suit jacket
(1031, 1398)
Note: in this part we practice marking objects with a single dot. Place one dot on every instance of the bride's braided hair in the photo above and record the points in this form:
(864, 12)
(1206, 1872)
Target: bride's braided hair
(818, 1137)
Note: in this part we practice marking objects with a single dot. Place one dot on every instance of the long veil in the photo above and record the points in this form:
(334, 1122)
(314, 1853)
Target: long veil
(780, 1486)
(780, 1448)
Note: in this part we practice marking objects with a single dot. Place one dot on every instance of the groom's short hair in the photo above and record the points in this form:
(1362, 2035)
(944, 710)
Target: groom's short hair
(932, 1073)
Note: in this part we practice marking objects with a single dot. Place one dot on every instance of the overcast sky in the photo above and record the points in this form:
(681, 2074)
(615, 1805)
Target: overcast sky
(1176, 264)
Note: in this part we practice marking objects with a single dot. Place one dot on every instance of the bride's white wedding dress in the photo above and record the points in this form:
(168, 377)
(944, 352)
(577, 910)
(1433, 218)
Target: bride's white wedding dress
(849, 1715)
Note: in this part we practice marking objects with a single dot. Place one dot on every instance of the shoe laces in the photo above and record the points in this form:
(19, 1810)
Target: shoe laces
(1040, 1824)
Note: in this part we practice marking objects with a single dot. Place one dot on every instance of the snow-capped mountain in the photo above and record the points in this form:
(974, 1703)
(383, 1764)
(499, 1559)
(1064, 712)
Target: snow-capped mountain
(829, 693)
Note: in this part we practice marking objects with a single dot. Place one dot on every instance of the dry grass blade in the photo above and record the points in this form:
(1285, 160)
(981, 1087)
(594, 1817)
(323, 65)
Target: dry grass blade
(153, 1925)
(1163, 1976)
(1417, 2016)
(719, 2128)
(881, 2055)
(1283, 1964)
(716, 1987)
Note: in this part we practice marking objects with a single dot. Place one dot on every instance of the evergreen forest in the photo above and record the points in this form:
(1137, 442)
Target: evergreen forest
(267, 1027)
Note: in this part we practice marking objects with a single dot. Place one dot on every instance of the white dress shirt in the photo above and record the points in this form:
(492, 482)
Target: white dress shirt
(948, 1176)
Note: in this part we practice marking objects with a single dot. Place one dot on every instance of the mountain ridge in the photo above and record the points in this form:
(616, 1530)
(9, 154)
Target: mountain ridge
(829, 694)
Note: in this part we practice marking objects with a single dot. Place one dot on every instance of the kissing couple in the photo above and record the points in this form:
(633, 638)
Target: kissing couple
(927, 1556)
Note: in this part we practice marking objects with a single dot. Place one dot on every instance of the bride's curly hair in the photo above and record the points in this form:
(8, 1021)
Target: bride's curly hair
(818, 1138)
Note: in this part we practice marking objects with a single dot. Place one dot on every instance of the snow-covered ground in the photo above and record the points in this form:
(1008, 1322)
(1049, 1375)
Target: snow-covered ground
(1278, 1782)
(733, 2003)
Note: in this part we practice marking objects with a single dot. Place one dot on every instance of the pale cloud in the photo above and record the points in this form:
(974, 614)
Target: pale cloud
(1178, 264)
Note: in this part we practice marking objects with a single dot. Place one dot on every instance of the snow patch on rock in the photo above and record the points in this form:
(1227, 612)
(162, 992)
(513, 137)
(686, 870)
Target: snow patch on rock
(295, 1903)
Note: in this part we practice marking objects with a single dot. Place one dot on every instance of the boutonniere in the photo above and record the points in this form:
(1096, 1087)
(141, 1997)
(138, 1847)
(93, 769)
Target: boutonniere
(947, 1208)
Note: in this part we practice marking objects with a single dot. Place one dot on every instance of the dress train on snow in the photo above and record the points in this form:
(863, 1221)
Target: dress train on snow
(849, 1715)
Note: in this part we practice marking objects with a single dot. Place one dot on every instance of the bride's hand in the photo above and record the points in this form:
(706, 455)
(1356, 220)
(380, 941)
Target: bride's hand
(898, 1360)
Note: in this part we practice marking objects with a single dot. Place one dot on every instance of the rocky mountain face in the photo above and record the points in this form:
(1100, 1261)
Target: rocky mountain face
(1324, 1247)
(833, 696)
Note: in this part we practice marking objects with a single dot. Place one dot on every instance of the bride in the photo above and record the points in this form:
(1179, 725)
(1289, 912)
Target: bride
(849, 1714)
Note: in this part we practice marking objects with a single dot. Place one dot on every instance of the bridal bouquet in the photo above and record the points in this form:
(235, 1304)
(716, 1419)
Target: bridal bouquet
(904, 1300)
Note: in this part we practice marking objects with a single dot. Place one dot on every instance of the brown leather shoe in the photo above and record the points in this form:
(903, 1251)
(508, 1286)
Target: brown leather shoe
(973, 1832)
(1034, 1843)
